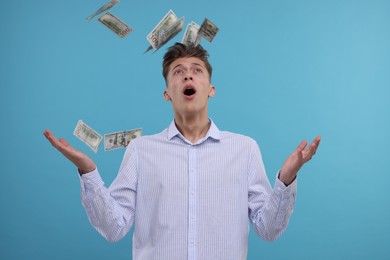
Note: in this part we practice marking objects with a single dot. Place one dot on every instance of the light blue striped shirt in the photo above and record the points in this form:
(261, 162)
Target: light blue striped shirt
(189, 201)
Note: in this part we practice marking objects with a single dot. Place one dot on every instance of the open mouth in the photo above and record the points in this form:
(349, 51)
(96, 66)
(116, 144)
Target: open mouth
(189, 91)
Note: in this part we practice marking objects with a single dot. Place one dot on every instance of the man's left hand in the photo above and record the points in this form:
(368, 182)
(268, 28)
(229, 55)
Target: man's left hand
(299, 157)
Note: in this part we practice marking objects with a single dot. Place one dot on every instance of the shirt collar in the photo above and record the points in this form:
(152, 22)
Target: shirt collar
(213, 132)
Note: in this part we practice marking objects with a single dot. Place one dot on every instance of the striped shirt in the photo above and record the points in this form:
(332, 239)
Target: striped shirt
(189, 201)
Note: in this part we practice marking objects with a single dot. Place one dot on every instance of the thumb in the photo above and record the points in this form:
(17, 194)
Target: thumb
(64, 142)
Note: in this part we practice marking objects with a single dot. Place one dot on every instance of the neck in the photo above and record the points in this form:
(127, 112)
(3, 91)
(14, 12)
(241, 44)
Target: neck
(192, 128)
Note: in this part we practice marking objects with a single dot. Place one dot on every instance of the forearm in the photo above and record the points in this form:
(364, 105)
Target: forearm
(110, 215)
(271, 219)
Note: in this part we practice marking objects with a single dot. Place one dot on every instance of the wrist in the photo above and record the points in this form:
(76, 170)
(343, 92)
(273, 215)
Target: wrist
(85, 171)
(286, 181)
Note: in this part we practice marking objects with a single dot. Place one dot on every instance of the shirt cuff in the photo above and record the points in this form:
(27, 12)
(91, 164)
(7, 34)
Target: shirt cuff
(280, 186)
(91, 180)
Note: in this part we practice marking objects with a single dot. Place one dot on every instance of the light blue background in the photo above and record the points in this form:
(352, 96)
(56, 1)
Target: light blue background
(284, 71)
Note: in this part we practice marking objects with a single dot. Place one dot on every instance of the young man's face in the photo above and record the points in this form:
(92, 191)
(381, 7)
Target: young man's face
(188, 86)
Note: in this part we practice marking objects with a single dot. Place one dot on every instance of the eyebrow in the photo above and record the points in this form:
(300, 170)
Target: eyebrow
(181, 65)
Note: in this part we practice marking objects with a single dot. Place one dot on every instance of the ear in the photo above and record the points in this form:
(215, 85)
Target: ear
(166, 95)
(212, 91)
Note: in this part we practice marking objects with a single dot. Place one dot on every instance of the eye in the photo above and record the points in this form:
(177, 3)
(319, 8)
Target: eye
(198, 70)
(178, 72)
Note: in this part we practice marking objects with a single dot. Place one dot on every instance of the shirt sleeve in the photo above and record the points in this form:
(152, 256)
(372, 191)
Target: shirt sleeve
(269, 209)
(111, 210)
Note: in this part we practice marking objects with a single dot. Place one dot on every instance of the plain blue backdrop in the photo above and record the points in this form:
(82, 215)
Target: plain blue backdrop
(284, 71)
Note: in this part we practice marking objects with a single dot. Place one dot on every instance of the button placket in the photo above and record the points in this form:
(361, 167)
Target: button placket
(192, 209)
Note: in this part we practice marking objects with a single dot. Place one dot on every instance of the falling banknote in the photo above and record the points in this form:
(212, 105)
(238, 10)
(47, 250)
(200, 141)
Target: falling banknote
(191, 34)
(115, 24)
(120, 139)
(166, 29)
(207, 30)
(87, 135)
(103, 8)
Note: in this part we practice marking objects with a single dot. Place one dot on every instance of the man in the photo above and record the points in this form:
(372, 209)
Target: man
(190, 189)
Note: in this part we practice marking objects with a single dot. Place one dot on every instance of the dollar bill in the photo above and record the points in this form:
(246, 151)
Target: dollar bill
(115, 24)
(207, 30)
(169, 32)
(87, 135)
(191, 34)
(105, 7)
(166, 29)
(120, 139)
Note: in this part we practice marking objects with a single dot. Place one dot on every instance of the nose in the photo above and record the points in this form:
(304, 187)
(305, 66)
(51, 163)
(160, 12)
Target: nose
(188, 75)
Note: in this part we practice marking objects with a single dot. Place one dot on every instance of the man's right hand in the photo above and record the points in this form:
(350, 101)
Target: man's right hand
(82, 161)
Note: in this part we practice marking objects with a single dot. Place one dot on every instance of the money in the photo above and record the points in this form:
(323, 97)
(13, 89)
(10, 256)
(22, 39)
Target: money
(166, 29)
(115, 24)
(103, 8)
(191, 34)
(207, 30)
(168, 33)
(120, 139)
(87, 135)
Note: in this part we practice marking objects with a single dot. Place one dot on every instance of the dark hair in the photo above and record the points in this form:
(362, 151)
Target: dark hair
(179, 50)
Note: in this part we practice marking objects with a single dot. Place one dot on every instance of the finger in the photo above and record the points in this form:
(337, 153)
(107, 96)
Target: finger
(61, 145)
(52, 139)
(66, 148)
(64, 142)
(301, 146)
(314, 145)
(47, 133)
(317, 140)
(310, 151)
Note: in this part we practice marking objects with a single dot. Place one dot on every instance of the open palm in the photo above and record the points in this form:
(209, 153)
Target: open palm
(297, 159)
(82, 161)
